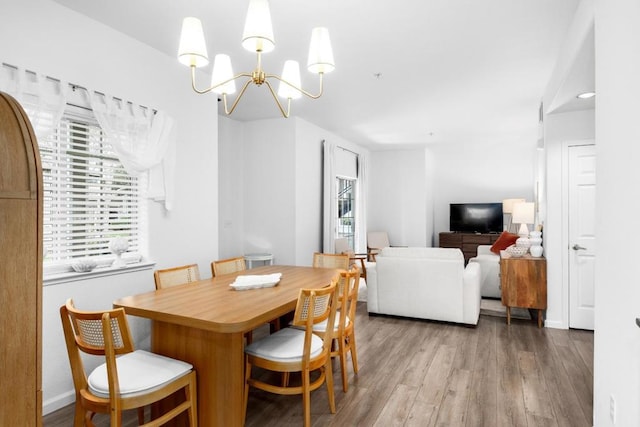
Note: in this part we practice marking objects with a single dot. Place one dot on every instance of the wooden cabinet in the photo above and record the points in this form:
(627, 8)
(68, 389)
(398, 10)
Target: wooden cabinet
(21, 271)
(524, 284)
(466, 242)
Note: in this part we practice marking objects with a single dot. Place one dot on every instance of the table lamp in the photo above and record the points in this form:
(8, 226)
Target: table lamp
(523, 214)
(507, 208)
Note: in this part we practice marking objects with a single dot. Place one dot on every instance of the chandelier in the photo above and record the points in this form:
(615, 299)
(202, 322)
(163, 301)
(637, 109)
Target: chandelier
(257, 37)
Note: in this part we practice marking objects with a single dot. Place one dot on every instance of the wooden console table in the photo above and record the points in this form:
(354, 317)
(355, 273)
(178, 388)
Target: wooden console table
(524, 283)
(467, 242)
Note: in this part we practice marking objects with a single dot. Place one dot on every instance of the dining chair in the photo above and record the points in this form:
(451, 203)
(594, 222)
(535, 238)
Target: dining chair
(323, 260)
(138, 379)
(227, 266)
(298, 350)
(343, 333)
(342, 247)
(174, 276)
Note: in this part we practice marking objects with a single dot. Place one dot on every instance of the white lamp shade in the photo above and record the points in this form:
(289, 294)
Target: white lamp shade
(258, 32)
(320, 52)
(222, 71)
(507, 204)
(523, 213)
(192, 50)
(291, 74)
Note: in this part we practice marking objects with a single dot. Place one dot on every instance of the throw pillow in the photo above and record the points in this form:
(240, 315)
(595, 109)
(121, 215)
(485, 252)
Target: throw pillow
(505, 240)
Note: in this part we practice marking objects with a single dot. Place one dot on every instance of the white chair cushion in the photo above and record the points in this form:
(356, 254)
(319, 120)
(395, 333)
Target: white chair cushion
(286, 345)
(138, 372)
(322, 326)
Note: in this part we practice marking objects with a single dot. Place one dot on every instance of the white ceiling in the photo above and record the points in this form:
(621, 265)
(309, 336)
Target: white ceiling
(452, 71)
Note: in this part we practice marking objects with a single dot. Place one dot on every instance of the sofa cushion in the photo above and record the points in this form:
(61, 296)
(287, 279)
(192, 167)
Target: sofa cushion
(505, 240)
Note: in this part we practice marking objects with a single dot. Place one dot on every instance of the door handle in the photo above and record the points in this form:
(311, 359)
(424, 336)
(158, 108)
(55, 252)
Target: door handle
(577, 247)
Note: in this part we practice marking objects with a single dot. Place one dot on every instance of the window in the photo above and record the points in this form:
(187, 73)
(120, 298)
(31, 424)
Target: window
(88, 196)
(346, 224)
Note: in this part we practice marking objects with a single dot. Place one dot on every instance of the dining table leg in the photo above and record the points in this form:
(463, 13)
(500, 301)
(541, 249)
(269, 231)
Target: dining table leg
(218, 359)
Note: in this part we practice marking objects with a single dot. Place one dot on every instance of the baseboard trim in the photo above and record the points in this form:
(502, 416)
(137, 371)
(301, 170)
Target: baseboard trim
(554, 324)
(57, 402)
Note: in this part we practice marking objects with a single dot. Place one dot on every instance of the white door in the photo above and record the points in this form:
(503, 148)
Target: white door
(582, 238)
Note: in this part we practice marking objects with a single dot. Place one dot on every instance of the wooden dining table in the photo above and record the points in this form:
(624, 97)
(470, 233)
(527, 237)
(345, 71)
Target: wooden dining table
(204, 323)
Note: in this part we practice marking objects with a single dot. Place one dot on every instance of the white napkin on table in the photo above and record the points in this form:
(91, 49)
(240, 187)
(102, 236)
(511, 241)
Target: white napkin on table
(257, 279)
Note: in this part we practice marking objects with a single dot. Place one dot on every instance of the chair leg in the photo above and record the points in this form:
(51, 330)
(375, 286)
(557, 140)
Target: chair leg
(342, 352)
(141, 415)
(79, 417)
(247, 376)
(116, 418)
(190, 392)
(354, 353)
(306, 398)
(88, 419)
(329, 380)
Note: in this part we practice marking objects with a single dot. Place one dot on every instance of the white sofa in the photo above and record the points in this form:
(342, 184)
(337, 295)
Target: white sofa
(425, 283)
(490, 271)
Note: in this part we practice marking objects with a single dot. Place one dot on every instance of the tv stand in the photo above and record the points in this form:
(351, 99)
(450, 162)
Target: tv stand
(467, 242)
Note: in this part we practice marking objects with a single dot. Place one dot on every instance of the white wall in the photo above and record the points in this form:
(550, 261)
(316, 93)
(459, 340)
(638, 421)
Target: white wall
(482, 173)
(308, 206)
(231, 187)
(398, 197)
(43, 36)
(617, 338)
(273, 201)
(269, 188)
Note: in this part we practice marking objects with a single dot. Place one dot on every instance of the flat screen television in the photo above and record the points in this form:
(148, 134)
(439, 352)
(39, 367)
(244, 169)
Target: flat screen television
(476, 217)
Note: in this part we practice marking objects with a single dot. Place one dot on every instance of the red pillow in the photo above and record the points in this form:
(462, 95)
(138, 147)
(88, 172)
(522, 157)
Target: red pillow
(505, 240)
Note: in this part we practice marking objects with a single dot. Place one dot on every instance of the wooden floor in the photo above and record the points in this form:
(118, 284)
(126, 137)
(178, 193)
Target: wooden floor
(421, 373)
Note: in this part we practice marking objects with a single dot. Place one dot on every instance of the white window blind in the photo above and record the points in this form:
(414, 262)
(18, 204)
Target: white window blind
(88, 196)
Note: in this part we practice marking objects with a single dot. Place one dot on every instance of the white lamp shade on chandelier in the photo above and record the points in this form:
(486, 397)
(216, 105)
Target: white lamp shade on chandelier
(222, 72)
(193, 49)
(258, 31)
(523, 214)
(291, 74)
(320, 53)
(257, 37)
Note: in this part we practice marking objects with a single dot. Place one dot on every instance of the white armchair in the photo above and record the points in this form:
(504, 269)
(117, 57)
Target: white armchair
(376, 241)
(490, 271)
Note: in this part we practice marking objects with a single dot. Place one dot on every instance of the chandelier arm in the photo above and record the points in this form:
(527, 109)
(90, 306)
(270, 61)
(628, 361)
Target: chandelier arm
(275, 97)
(209, 89)
(304, 92)
(235, 103)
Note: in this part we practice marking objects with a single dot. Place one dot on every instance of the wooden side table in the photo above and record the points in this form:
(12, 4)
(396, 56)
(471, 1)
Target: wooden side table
(524, 283)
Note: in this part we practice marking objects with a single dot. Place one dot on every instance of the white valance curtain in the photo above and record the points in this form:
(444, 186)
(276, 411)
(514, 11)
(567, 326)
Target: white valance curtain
(43, 99)
(143, 140)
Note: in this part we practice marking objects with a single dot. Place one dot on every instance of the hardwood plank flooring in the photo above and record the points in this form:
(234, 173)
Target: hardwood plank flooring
(422, 373)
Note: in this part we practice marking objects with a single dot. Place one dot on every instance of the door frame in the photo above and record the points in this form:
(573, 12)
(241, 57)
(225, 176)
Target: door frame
(566, 302)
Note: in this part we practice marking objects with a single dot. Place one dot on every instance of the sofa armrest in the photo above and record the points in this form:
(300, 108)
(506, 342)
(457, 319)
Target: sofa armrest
(372, 288)
(471, 293)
